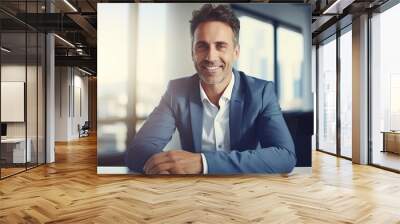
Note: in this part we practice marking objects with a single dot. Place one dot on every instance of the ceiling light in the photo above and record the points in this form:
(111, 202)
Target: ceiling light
(84, 71)
(337, 7)
(70, 5)
(5, 50)
(64, 40)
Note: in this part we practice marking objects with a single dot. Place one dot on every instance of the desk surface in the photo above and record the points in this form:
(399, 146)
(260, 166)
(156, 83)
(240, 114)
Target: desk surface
(390, 132)
(13, 140)
(125, 170)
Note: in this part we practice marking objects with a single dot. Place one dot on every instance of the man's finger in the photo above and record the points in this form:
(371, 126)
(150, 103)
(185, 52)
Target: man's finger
(161, 167)
(176, 170)
(163, 157)
(154, 160)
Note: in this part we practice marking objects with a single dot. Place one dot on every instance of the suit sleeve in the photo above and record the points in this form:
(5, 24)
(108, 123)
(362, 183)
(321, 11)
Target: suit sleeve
(154, 135)
(276, 155)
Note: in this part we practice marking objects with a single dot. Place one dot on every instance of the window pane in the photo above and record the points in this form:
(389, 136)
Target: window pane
(327, 97)
(116, 66)
(256, 48)
(290, 61)
(151, 67)
(385, 86)
(346, 94)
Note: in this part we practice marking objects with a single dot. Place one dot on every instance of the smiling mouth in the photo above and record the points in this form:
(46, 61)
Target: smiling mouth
(211, 69)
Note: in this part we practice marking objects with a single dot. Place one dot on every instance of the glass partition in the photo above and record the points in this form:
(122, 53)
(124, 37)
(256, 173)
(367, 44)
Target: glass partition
(327, 96)
(22, 87)
(14, 153)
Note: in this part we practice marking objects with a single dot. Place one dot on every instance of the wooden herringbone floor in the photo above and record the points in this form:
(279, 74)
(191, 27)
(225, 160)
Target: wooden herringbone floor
(70, 191)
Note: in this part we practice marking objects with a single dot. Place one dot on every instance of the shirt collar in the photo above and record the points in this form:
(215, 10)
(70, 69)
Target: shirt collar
(226, 95)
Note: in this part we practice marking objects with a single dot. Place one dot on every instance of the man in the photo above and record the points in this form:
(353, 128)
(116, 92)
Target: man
(228, 122)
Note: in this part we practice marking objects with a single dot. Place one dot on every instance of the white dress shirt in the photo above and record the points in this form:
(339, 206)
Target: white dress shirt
(215, 131)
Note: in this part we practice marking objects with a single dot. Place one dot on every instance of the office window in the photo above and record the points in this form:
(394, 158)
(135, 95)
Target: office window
(385, 89)
(257, 58)
(290, 64)
(394, 101)
(256, 48)
(346, 94)
(116, 66)
(327, 96)
(151, 68)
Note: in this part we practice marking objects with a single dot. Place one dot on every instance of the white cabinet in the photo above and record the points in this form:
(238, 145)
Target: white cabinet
(16, 148)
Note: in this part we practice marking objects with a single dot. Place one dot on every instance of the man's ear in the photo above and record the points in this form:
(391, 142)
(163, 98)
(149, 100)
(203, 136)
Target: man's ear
(237, 51)
(191, 49)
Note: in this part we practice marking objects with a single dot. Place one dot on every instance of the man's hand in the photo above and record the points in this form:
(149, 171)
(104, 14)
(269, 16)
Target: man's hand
(174, 162)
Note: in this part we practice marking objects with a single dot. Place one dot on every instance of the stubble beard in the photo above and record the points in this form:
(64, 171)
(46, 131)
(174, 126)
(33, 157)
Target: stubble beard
(213, 81)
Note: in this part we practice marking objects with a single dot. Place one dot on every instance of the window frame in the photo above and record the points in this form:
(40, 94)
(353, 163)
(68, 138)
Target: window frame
(242, 11)
(333, 37)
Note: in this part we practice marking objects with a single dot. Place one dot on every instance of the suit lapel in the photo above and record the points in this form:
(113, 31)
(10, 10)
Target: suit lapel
(196, 114)
(236, 111)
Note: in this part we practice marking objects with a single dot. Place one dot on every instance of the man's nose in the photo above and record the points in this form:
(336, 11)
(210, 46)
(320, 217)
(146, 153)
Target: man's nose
(212, 54)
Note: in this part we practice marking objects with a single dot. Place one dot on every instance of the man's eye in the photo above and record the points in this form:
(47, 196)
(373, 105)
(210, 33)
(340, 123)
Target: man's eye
(201, 47)
(221, 46)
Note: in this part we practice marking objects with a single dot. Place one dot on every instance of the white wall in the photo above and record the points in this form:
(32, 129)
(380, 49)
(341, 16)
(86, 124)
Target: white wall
(69, 83)
(61, 103)
(79, 117)
(33, 106)
(12, 73)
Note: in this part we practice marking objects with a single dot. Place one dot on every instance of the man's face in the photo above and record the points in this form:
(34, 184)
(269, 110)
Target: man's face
(214, 51)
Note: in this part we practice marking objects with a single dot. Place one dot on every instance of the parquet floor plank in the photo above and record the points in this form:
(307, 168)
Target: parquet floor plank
(70, 191)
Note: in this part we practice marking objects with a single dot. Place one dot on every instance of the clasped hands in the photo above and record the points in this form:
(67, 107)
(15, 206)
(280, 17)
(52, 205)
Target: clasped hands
(174, 162)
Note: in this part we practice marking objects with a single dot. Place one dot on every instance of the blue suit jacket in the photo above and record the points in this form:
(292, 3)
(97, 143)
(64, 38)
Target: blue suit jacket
(260, 139)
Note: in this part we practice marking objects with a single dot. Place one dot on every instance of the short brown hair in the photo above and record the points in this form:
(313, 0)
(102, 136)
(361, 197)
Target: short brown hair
(221, 13)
